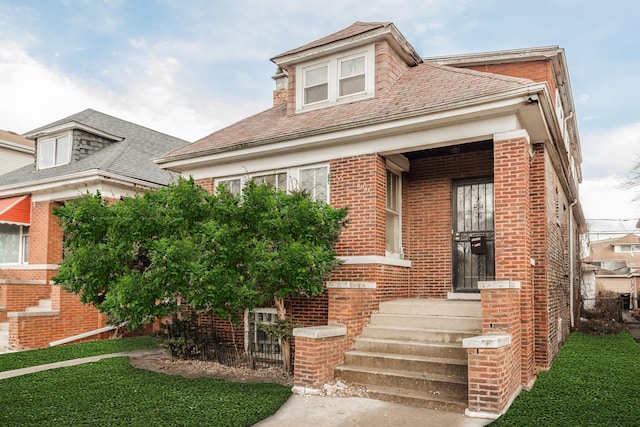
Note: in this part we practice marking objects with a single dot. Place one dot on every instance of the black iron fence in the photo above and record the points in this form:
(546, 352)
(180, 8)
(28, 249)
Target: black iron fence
(190, 338)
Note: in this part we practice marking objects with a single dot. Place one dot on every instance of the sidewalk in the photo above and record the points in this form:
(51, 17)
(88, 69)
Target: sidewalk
(73, 362)
(316, 411)
(322, 411)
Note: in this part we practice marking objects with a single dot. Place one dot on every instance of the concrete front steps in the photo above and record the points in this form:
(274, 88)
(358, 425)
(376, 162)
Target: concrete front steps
(412, 353)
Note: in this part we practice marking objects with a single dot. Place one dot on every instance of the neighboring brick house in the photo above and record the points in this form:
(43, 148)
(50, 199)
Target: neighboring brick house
(86, 152)
(15, 151)
(615, 264)
(461, 176)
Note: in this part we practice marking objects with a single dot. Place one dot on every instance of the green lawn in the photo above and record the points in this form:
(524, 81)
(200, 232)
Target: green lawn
(113, 393)
(23, 359)
(594, 381)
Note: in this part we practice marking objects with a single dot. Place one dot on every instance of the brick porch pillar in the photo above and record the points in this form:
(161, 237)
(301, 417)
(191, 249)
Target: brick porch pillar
(318, 350)
(494, 357)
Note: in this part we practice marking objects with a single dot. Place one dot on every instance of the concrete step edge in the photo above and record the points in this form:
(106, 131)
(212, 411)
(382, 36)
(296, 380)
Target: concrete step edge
(405, 374)
(409, 393)
(410, 357)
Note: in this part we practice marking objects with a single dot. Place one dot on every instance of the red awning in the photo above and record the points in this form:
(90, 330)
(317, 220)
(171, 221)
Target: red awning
(16, 210)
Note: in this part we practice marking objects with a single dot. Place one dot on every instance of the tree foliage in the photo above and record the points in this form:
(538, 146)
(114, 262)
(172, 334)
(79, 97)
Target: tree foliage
(135, 259)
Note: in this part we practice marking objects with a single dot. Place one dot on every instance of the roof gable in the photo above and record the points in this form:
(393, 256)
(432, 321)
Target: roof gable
(357, 34)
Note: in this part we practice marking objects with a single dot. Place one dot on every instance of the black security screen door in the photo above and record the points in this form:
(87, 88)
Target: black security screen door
(473, 234)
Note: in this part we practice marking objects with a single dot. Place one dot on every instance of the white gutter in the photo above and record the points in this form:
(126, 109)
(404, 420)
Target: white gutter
(78, 179)
(571, 255)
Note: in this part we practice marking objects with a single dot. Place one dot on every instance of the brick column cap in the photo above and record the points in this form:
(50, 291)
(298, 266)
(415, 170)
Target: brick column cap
(318, 332)
(487, 341)
(498, 284)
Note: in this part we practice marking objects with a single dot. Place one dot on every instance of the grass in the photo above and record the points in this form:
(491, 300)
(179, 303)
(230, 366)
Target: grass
(23, 359)
(594, 381)
(111, 392)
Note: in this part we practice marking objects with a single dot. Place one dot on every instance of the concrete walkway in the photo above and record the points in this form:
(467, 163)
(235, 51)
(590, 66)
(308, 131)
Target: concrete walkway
(317, 411)
(73, 362)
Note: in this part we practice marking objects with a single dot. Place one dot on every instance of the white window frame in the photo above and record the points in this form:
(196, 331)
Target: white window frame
(293, 181)
(333, 78)
(396, 249)
(55, 139)
(313, 191)
(23, 245)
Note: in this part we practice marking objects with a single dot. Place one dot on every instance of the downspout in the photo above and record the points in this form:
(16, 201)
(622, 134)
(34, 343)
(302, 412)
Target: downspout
(571, 261)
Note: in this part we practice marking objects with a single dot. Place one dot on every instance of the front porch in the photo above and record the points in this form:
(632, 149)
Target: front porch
(455, 355)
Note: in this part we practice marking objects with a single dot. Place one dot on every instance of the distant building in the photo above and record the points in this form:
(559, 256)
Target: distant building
(86, 152)
(615, 264)
(15, 151)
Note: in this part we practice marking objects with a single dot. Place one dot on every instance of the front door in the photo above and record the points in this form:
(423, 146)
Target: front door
(473, 234)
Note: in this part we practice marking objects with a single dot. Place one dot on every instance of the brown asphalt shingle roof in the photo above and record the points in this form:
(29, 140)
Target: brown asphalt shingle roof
(354, 29)
(422, 88)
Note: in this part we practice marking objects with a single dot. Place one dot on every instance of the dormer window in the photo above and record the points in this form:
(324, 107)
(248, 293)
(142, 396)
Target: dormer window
(54, 151)
(316, 86)
(352, 75)
(336, 79)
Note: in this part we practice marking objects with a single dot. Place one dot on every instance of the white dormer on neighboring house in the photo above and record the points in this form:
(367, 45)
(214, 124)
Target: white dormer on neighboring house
(15, 151)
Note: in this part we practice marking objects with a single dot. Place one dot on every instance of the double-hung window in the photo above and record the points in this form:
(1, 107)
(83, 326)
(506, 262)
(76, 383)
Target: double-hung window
(14, 244)
(351, 75)
(54, 151)
(393, 213)
(276, 180)
(315, 182)
(316, 84)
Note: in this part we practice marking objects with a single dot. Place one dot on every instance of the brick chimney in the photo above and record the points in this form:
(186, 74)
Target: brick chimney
(280, 92)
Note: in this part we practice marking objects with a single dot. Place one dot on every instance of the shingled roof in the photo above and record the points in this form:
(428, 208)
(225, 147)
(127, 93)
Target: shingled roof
(422, 89)
(131, 157)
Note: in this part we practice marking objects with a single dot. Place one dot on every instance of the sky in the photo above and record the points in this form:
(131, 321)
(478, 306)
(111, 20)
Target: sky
(188, 68)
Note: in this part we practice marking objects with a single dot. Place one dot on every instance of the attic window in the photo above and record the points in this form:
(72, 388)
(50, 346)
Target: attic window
(352, 76)
(54, 151)
(316, 86)
(341, 78)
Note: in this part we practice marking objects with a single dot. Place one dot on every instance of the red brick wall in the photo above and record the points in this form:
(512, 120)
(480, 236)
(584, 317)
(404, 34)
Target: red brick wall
(45, 236)
(389, 67)
(513, 235)
(428, 215)
(551, 253)
(538, 71)
(359, 184)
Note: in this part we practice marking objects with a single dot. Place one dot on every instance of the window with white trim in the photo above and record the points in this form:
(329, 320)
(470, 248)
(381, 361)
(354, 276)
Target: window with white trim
(14, 244)
(316, 84)
(234, 185)
(393, 213)
(315, 182)
(54, 151)
(336, 79)
(313, 179)
(277, 180)
(351, 79)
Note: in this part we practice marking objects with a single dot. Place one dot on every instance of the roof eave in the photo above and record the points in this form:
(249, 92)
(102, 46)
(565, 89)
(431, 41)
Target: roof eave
(70, 126)
(74, 180)
(433, 115)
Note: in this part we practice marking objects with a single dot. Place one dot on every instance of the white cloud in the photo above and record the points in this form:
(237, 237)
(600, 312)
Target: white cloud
(612, 151)
(153, 96)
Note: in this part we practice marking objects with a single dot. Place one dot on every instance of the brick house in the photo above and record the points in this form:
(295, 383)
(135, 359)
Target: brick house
(615, 264)
(86, 152)
(15, 151)
(461, 176)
